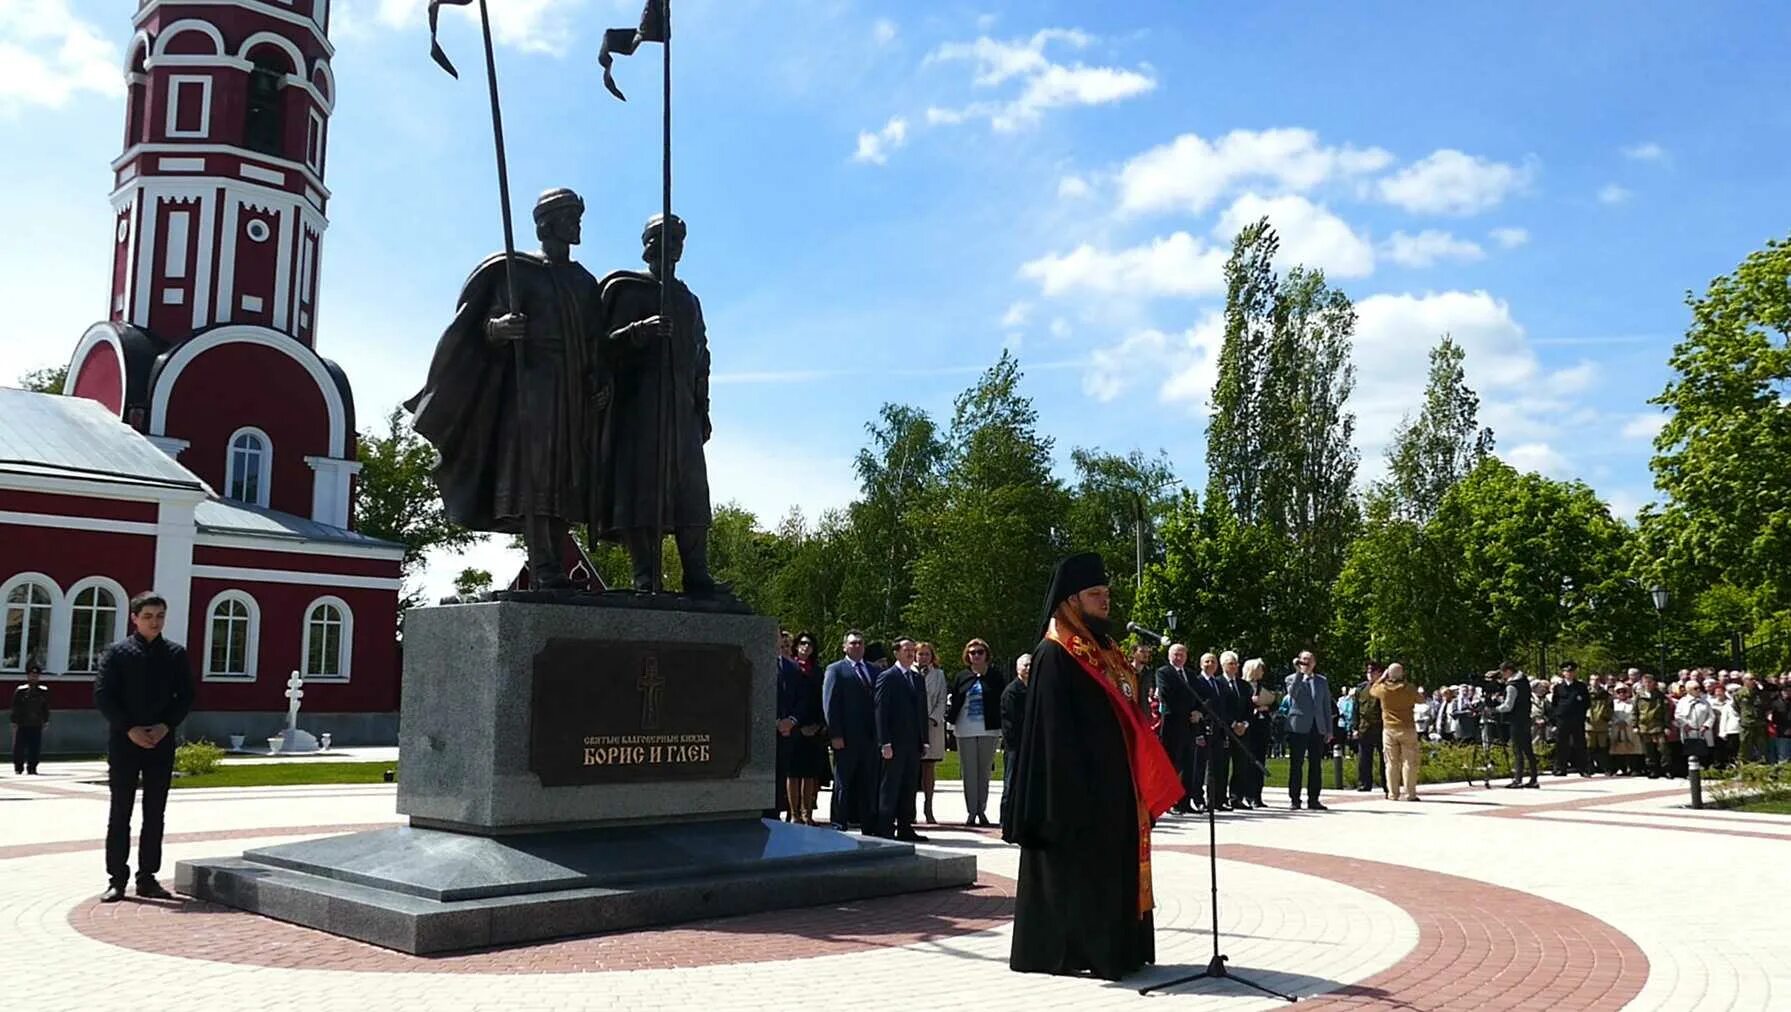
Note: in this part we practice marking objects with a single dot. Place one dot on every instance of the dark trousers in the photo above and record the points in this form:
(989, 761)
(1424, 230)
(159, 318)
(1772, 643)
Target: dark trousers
(1304, 751)
(126, 764)
(1523, 752)
(27, 748)
(1185, 755)
(1654, 744)
(895, 797)
(855, 786)
(1570, 748)
(1368, 749)
(1246, 781)
(1218, 767)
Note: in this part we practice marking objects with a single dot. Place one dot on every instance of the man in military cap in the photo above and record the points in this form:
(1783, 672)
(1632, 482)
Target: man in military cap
(518, 433)
(656, 478)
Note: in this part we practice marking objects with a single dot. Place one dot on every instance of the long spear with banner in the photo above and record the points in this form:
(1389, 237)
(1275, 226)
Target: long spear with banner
(503, 177)
(655, 26)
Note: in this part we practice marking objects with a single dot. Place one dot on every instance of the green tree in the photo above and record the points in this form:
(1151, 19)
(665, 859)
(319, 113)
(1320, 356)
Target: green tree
(746, 557)
(395, 498)
(1115, 509)
(1236, 454)
(48, 380)
(1723, 458)
(991, 536)
(898, 474)
(808, 590)
(1222, 578)
(1438, 448)
(1542, 561)
(472, 582)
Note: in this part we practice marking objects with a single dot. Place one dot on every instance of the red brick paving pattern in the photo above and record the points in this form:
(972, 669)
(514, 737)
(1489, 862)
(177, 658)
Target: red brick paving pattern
(196, 930)
(1479, 946)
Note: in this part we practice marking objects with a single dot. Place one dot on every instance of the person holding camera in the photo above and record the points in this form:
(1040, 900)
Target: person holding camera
(1399, 734)
(1516, 711)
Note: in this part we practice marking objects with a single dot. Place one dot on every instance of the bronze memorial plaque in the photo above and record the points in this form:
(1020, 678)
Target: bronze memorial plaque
(612, 711)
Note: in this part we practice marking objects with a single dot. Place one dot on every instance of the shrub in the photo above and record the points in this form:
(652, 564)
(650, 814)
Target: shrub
(1751, 782)
(197, 757)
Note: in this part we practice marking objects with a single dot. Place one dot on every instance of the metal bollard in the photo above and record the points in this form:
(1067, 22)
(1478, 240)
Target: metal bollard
(1694, 773)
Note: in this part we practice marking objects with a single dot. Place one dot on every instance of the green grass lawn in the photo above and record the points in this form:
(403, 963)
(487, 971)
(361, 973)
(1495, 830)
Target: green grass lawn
(287, 774)
(1779, 807)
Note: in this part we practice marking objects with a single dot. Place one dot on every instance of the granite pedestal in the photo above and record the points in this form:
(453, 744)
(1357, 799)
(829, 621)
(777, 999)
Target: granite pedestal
(569, 770)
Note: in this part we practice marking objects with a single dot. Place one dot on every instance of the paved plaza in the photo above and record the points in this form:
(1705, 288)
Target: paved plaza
(1587, 894)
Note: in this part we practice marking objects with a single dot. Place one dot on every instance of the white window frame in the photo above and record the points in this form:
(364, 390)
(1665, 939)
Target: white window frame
(173, 130)
(264, 472)
(346, 648)
(43, 582)
(252, 649)
(314, 142)
(119, 630)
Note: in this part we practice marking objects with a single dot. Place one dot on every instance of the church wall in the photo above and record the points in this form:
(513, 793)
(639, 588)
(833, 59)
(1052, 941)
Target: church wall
(373, 669)
(346, 565)
(238, 384)
(77, 506)
(98, 377)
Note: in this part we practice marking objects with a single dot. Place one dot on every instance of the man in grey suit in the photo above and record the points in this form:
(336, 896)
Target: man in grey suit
(1308, 727)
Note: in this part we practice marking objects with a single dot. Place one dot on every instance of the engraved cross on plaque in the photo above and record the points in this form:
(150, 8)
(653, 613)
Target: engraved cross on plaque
(650, 683)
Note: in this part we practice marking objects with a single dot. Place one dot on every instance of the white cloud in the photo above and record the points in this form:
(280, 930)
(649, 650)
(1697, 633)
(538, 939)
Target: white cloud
(1645, 426)
(1612, 194)
(1647, 151)
(874, 146)
(1310, 234)
(1539, 457)
(48, 55)
(1510, 238)
(884, 31)
(1520, 399)
(1044, 84)
(537, 26)
(1173, 265)
(1429, 247)
(1452, 182)
(1191, 173)
(1060, 327)
(1073, 188)
(1183, 365)
(1016, 314)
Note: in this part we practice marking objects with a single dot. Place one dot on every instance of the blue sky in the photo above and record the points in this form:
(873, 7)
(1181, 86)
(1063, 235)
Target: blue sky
(883, 196)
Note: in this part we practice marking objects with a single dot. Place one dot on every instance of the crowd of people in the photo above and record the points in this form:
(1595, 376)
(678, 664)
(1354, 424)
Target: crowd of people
(1221, 718)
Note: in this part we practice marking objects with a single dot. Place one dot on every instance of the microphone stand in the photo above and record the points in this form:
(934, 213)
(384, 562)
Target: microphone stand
(1216, 969)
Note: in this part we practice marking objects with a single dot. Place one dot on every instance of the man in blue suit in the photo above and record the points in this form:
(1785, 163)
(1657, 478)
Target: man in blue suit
(848, 700)
(1308, 727)
(902, 734)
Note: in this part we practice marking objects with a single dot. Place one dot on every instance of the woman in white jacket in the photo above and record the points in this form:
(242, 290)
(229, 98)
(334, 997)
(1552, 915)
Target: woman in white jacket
(1696, 720)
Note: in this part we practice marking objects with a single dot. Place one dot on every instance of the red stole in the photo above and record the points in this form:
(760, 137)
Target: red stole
(1156, 787)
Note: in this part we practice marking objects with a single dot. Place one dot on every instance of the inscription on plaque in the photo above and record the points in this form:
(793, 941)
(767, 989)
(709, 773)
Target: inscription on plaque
(610, 711)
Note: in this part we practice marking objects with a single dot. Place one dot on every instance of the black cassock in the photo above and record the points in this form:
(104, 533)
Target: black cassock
(1075, 817)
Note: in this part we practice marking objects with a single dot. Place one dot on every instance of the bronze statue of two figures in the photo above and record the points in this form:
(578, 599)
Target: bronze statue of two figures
(579, 404)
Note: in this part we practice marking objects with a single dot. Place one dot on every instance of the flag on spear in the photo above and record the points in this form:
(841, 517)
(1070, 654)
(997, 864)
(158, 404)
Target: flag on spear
(624, 41)
(435, 48)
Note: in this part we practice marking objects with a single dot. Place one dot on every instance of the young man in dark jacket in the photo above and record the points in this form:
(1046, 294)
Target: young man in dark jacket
(144, 691)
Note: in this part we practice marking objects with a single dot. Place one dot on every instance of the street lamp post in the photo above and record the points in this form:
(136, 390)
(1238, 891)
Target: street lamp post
(1659, 593)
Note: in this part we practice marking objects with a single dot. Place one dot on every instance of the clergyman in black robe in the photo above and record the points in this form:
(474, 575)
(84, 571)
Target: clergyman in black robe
(661, 371)
(518, 452)
(1089, 780)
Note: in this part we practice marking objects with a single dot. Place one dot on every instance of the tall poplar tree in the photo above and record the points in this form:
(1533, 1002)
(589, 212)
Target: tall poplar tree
(1432, 452)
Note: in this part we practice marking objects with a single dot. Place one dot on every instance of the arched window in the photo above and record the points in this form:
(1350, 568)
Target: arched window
(249, 467)
(232, 637)
(29, 602)
(263, 129)
(329, 639)
(95, 607)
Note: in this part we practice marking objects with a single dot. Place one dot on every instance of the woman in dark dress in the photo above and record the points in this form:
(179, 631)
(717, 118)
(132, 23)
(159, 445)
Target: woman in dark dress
(1262, 700)
(807, 762)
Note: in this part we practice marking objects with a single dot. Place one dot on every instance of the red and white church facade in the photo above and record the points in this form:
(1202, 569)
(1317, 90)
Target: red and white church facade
(242, 518)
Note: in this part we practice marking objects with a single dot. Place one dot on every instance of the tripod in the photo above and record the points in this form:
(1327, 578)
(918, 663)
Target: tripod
(1216, 969)
(1492, 736)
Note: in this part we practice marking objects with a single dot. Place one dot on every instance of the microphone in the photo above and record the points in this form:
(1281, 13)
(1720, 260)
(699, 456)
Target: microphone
(1161, 639)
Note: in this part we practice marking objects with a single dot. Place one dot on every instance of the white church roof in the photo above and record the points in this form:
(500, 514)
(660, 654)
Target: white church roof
(73, 438)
